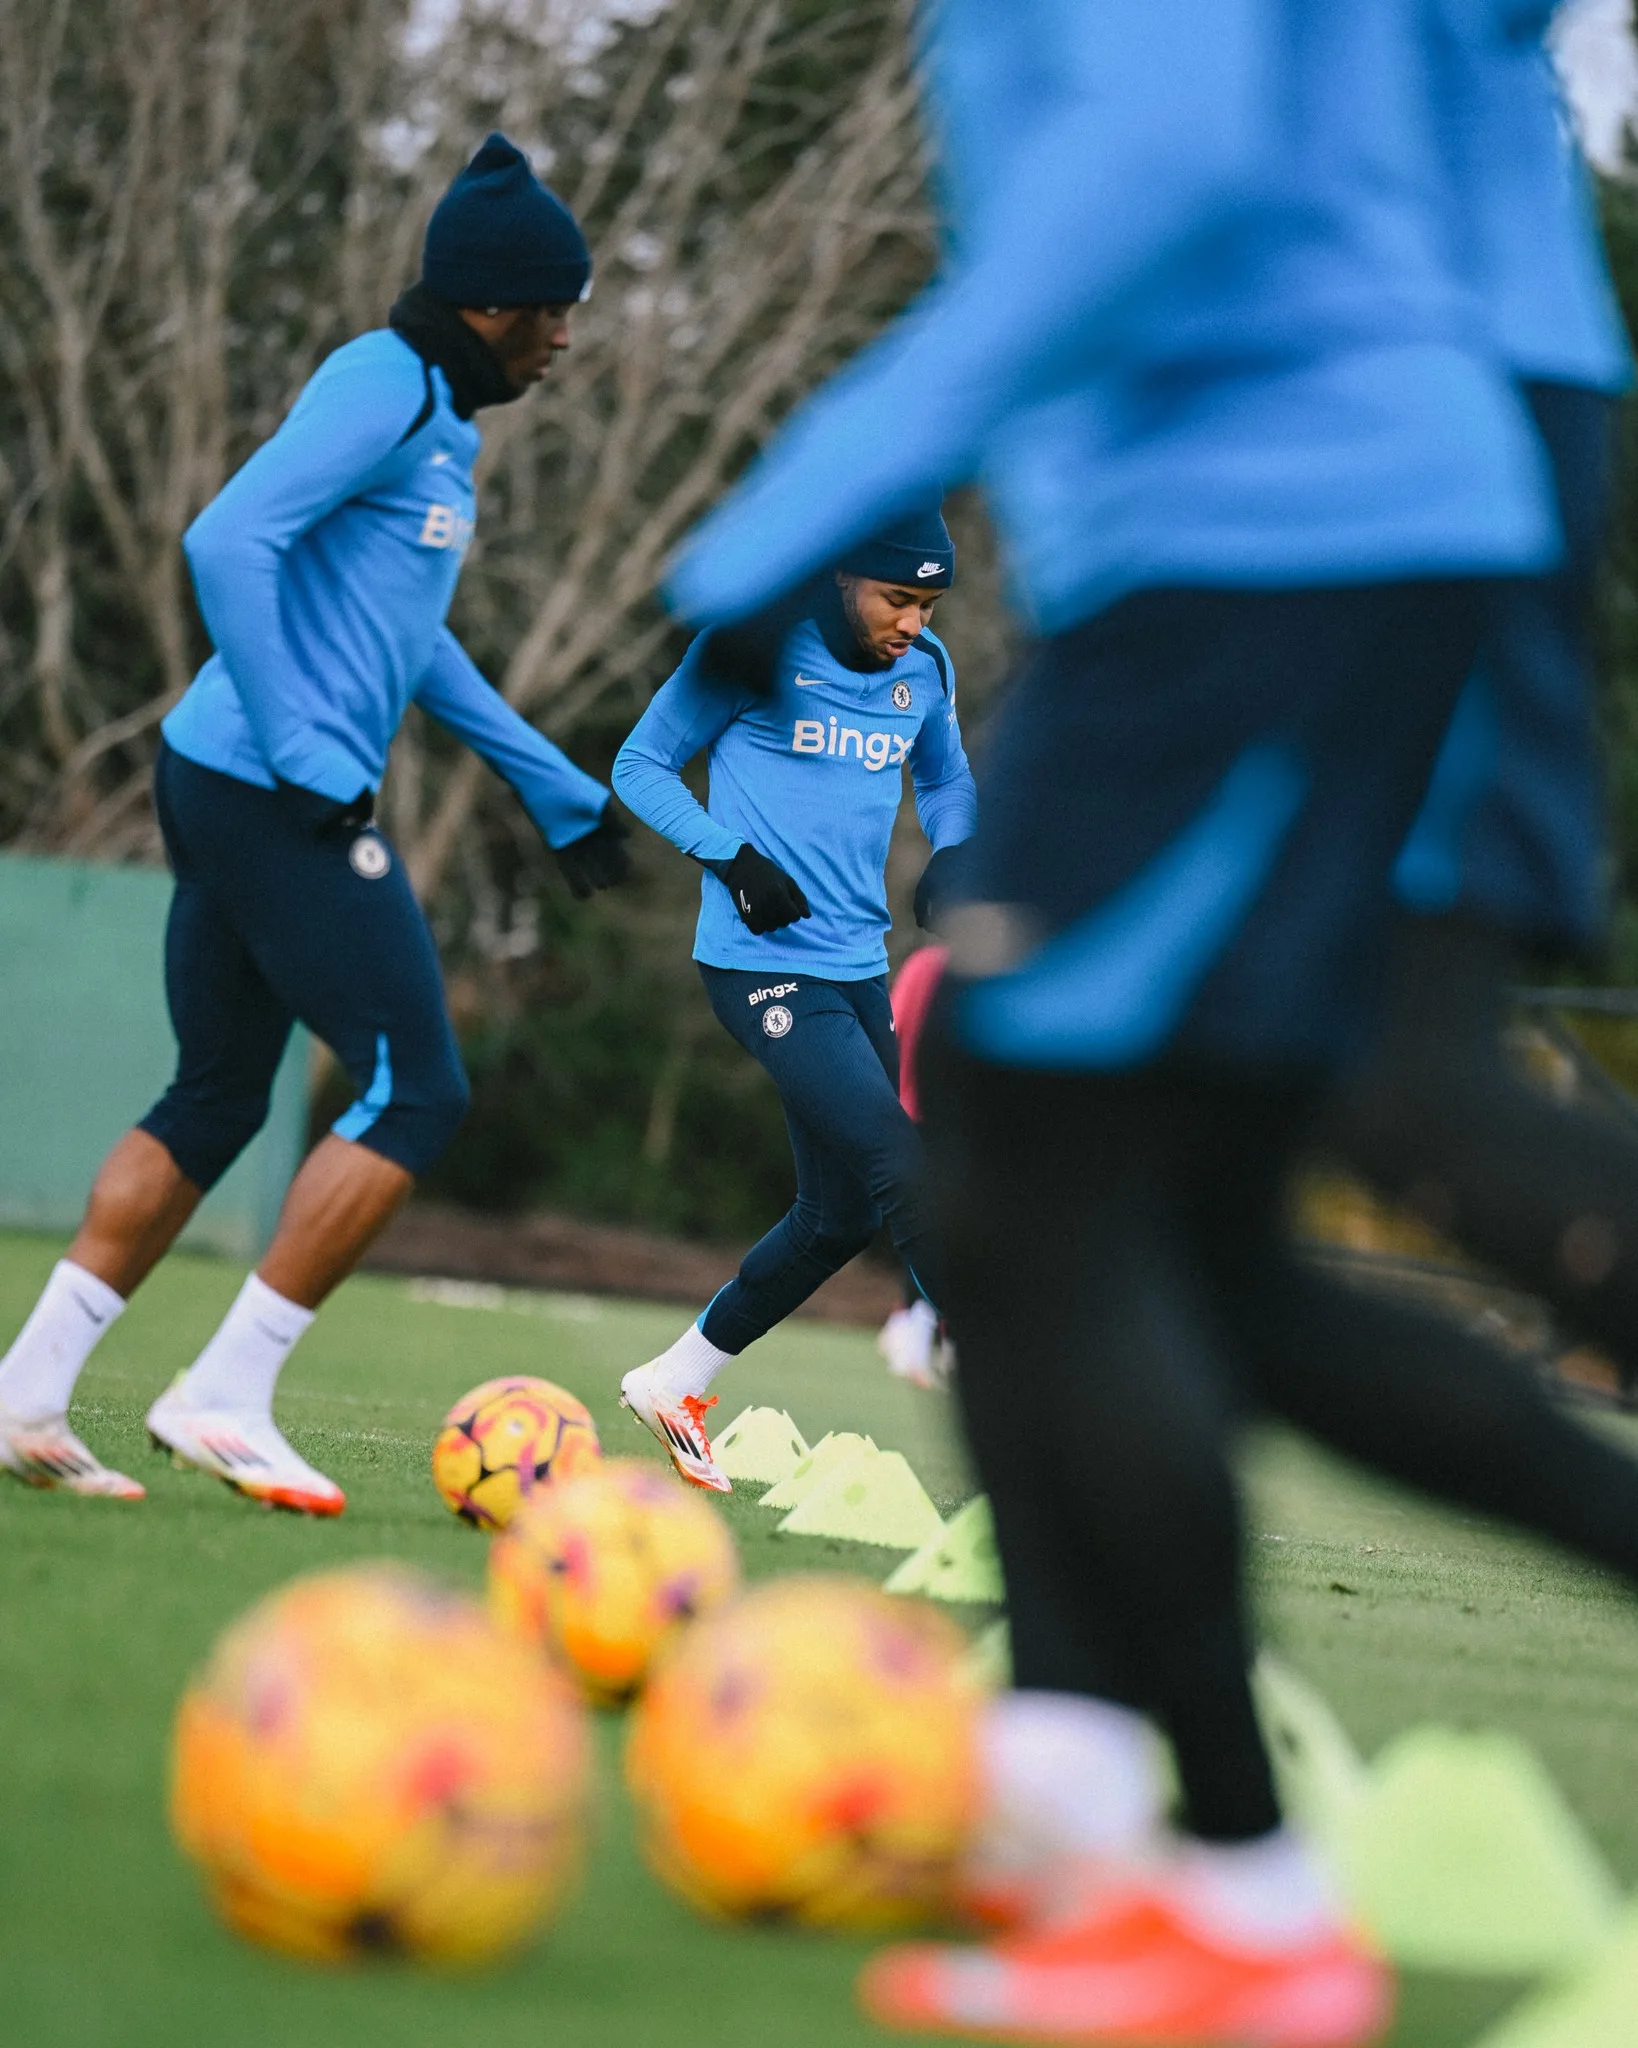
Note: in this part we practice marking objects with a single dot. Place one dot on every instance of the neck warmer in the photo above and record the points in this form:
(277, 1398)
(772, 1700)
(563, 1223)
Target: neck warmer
(438, 334)
(836, 629)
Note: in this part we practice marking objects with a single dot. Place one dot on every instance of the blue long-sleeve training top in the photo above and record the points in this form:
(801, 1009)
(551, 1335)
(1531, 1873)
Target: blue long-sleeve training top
(1223, 237)
(324, 569)
(811, 776)
(1531, 237)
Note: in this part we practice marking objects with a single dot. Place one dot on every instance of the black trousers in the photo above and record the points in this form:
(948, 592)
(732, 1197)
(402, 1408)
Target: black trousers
(1113, 1260)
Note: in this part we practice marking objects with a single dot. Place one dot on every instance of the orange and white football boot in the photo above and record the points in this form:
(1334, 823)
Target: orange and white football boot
(678, 1421)
(1129, 1967)
(245, 1450)
(46, 1452)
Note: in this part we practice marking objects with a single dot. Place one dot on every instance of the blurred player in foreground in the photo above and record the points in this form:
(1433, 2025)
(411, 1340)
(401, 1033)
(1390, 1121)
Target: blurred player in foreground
(324, 570)
(911, 1340)
(805, 783)
(1261, 465)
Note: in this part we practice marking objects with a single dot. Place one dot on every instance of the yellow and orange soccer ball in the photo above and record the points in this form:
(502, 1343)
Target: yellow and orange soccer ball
(606, 1568)
(506, 1439)
(809, 1753)
(366, 1765)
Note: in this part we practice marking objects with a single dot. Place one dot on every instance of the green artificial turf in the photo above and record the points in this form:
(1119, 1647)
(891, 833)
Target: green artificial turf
(1397, 1613)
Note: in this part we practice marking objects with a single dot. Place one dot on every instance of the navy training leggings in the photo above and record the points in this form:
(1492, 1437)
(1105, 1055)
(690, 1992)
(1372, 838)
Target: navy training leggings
(830, 1049)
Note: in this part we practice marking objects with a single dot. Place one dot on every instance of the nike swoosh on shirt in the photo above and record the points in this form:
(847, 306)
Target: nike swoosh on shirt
(810, 682)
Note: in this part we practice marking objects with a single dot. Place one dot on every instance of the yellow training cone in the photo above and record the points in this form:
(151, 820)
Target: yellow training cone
(762, 1445)
(827, 1454)
(959, 1563)
(1463, 1855)
(1321, 1776)
(873, 1498)
(1597, 2009)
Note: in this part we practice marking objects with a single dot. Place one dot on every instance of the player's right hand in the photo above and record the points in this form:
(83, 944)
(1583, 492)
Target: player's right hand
(766, 897)
(598, 859)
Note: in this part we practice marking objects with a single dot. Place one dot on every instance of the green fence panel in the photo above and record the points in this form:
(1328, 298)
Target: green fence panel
(85, 1047)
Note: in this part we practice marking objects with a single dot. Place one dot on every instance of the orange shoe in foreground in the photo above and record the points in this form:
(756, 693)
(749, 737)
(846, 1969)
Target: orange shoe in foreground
(1133, 1971)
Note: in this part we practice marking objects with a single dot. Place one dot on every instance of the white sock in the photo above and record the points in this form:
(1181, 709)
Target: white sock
(1268, 1894)
(691, 1364)
(239, 1367)
(1067, 1775)
(37, 1374)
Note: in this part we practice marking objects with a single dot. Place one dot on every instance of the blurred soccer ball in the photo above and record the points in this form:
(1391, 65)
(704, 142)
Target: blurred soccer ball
(809, 1752)
(504, 1439)
(605, 1568)
(367, 1765)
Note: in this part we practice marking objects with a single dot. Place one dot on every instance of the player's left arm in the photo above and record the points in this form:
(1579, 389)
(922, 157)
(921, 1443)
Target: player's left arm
(946, 796)
(571, 809)
(564, 802)
(1149, 145)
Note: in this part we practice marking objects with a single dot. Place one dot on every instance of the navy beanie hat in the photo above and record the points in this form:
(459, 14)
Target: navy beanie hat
(915, 551)
(498, 237)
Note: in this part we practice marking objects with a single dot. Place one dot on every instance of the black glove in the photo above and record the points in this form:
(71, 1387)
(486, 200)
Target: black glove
(598, 859)
(766, 897)
(326, 816)
(938, 879)
(745, 655)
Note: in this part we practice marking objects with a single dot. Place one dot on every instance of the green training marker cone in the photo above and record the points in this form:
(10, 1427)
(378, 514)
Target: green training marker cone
(873, 1498)
(1596, 2009)
(1321, 1776)
(1463, 1856)
(762, 1445)
(827, 1454)
(960, 1563)
(988, 1663)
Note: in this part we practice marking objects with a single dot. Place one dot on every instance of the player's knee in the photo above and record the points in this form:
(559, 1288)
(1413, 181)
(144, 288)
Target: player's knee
(835, 1248)
(415, 1132)
(827, 1238)
(205, 1134)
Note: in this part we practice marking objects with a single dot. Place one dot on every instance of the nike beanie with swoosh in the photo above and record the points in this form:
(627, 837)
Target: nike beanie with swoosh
(916, 552)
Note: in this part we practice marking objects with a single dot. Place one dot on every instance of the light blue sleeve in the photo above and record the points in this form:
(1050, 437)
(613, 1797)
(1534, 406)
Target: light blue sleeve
(687, 713)
(563, 800)
(1150, 145)
(347, 423)
(946, 795)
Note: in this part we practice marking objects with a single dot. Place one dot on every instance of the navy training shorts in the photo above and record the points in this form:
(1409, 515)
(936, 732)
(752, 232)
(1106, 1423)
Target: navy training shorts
(271, 923)
(1188, 820)
(1514, 831)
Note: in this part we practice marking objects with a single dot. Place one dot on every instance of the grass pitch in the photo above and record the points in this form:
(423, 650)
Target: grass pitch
(1397, 1613)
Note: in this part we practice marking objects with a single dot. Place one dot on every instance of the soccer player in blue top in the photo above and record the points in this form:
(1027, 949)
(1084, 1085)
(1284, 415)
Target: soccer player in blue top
(1262, 464)
(324, 570)
(805, 784)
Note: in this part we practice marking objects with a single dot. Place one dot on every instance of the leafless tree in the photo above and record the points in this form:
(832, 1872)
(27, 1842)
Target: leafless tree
(202, 196)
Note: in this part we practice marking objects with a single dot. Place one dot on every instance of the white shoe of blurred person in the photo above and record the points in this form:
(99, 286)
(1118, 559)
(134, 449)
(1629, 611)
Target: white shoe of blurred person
(1072, 1787)
(44, 1451)
(677, 1422)
(909, 1341)
(243, 1447)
